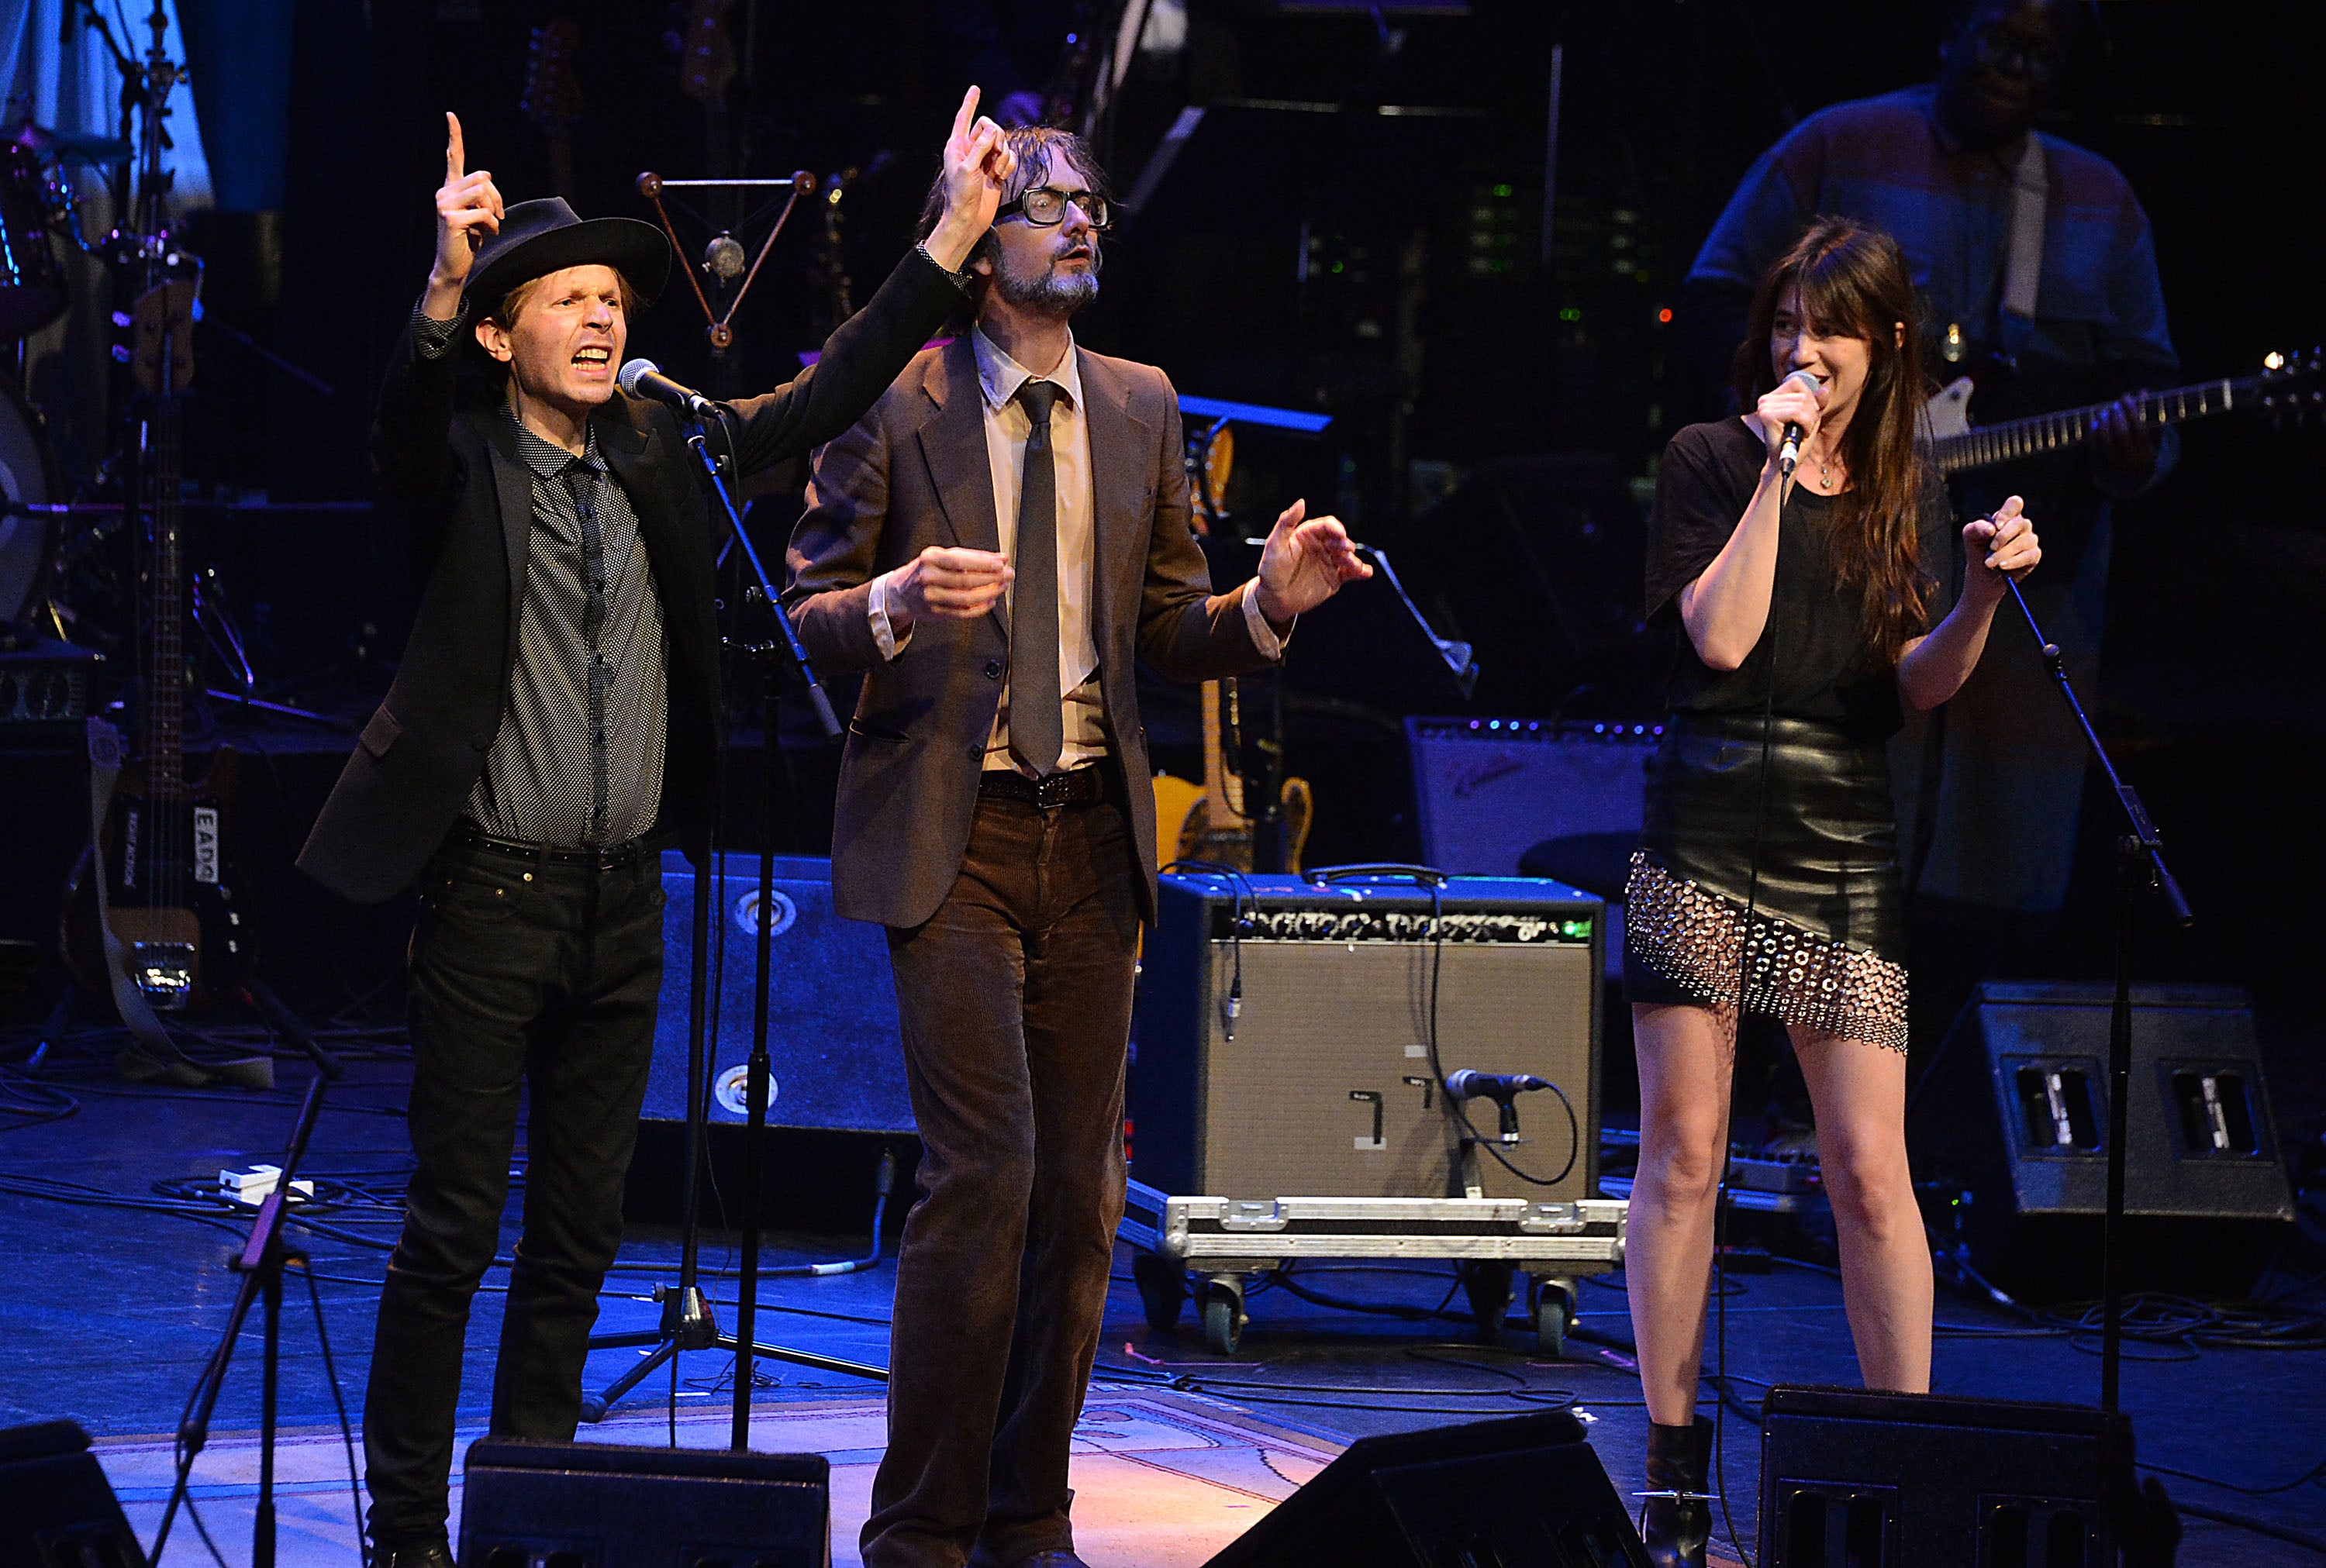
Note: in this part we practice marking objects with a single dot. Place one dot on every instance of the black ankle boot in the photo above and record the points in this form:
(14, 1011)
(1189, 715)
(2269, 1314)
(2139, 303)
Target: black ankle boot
(1677, 1529)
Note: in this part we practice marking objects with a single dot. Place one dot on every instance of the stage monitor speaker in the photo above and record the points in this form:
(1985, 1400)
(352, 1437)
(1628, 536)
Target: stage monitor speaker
(832, 1009)
(2015, 1110)
(1852, 1479)
(1284, 1034)
(596, 1505)
(1523, 1492)
(57, 1510)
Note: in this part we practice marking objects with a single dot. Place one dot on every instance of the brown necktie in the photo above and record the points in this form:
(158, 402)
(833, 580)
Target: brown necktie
(1037, 721)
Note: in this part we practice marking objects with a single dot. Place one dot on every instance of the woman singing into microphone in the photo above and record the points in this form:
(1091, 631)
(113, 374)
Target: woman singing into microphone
(1812, 605)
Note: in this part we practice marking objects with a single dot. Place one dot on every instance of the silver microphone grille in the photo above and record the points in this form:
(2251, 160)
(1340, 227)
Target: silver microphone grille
(634, 372)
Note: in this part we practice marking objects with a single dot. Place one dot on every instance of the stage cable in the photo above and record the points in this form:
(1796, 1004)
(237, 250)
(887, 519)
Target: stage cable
(1719, 1281)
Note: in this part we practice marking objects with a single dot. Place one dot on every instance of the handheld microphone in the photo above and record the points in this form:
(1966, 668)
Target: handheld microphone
(643, 378)
(1469, 1083)
(1788, 454)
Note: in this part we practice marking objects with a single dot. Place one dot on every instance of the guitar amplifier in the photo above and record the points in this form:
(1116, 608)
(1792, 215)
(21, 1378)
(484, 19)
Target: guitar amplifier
(1485, 791)
(1292, 1036)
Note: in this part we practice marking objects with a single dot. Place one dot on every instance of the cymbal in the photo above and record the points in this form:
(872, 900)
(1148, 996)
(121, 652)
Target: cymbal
(78, 143)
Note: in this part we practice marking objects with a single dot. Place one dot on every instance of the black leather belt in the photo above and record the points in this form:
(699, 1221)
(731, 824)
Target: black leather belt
(1071, 788)
(596, 857)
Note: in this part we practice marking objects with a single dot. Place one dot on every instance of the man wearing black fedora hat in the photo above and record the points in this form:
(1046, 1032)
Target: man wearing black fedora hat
(552, 725)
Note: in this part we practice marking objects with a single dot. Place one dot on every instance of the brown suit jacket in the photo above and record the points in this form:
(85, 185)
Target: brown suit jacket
(912, 473)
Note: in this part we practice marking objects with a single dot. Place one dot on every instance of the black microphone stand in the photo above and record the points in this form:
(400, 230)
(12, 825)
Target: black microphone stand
(688, 1322)
(786, 643)
(2140, 857)
(260, 1262)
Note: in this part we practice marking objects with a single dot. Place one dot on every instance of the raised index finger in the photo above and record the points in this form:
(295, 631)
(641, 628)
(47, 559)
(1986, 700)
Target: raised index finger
(456, 157)
(965, 115)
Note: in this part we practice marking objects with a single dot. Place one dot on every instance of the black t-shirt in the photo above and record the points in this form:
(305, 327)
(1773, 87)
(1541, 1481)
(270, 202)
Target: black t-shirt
(1824, 668)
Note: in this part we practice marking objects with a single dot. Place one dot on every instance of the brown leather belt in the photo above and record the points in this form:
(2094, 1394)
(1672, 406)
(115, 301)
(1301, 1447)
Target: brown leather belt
(597, 857)
(1076, 787)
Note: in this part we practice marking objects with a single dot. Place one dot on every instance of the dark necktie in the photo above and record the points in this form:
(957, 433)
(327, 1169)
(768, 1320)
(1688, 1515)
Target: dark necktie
(1037, 722)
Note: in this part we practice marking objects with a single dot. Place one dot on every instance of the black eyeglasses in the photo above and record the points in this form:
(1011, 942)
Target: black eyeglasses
(1045, 205)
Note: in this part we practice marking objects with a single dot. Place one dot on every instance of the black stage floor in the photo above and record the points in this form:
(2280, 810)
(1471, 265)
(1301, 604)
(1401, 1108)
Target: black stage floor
(115, 1294)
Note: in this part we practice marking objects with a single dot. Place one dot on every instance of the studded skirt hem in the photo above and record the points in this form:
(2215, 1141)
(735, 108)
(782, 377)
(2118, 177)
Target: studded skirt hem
(1793, 819)
(1696, 946)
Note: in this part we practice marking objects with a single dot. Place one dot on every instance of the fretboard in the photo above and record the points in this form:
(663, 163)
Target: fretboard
(2069, 427)
(165, 688)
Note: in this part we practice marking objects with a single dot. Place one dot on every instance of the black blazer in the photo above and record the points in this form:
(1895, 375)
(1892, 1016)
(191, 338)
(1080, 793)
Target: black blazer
(469, 499)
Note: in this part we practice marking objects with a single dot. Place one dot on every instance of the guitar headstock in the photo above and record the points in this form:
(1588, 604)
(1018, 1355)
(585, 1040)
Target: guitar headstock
(706, 55)
(2285, 379)
(553, 92)
(1211, 459)
(162, 337)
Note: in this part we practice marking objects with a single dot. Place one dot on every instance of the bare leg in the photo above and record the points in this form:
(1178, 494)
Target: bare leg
(1686, 1055)
(1859, 1092)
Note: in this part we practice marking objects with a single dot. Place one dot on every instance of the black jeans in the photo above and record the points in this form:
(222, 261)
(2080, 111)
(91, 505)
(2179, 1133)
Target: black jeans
(522, 973)
(1015, 1002)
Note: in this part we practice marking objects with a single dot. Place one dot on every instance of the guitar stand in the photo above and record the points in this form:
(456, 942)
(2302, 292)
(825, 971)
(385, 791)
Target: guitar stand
(688, 1323)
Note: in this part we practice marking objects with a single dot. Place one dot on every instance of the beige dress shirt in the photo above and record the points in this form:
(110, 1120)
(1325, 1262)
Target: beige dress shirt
(1007, 427)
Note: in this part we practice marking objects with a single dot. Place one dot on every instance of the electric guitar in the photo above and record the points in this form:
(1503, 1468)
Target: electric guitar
(151, 902)
(1211, 822)
(1957, 445)
(1215, 822)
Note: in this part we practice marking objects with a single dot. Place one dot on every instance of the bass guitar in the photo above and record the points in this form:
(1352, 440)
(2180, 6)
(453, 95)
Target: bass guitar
(150, 906)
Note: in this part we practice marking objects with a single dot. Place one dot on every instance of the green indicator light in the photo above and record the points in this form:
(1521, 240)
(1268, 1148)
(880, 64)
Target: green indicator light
(1502, 191)
(1570, 314)
(1581, 928)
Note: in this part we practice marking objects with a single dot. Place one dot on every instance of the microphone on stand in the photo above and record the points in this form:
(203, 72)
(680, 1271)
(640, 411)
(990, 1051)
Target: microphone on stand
(1503, 1088)
(1470, 1083)
(1788, 454)
(643, 378)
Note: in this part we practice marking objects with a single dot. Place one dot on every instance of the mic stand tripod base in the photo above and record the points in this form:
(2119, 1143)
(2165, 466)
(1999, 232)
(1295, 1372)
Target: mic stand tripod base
(687, 1324)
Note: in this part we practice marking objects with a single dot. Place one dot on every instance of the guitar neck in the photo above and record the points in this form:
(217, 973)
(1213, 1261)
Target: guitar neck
(2069, 427)
(1215, 763)
(165, 692)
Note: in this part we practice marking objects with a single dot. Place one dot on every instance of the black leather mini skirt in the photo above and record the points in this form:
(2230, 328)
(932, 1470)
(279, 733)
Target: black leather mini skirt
(1808, 842)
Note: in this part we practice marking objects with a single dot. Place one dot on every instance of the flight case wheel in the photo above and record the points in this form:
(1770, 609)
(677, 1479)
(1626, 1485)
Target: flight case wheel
(1223, 1318)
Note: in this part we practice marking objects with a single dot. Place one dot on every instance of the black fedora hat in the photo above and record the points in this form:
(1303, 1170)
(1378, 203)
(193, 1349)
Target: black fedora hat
(542, 236)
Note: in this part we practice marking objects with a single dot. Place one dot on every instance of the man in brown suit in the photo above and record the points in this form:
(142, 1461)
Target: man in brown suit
(997, 541)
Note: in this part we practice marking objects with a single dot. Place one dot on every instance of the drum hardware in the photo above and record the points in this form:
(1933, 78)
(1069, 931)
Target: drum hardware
(45, 687)
(722, 257)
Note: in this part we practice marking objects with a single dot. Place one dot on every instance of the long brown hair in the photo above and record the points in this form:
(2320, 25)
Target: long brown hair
(1854, 283)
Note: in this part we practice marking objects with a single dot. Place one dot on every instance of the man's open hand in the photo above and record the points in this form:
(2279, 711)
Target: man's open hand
(1305, 563)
